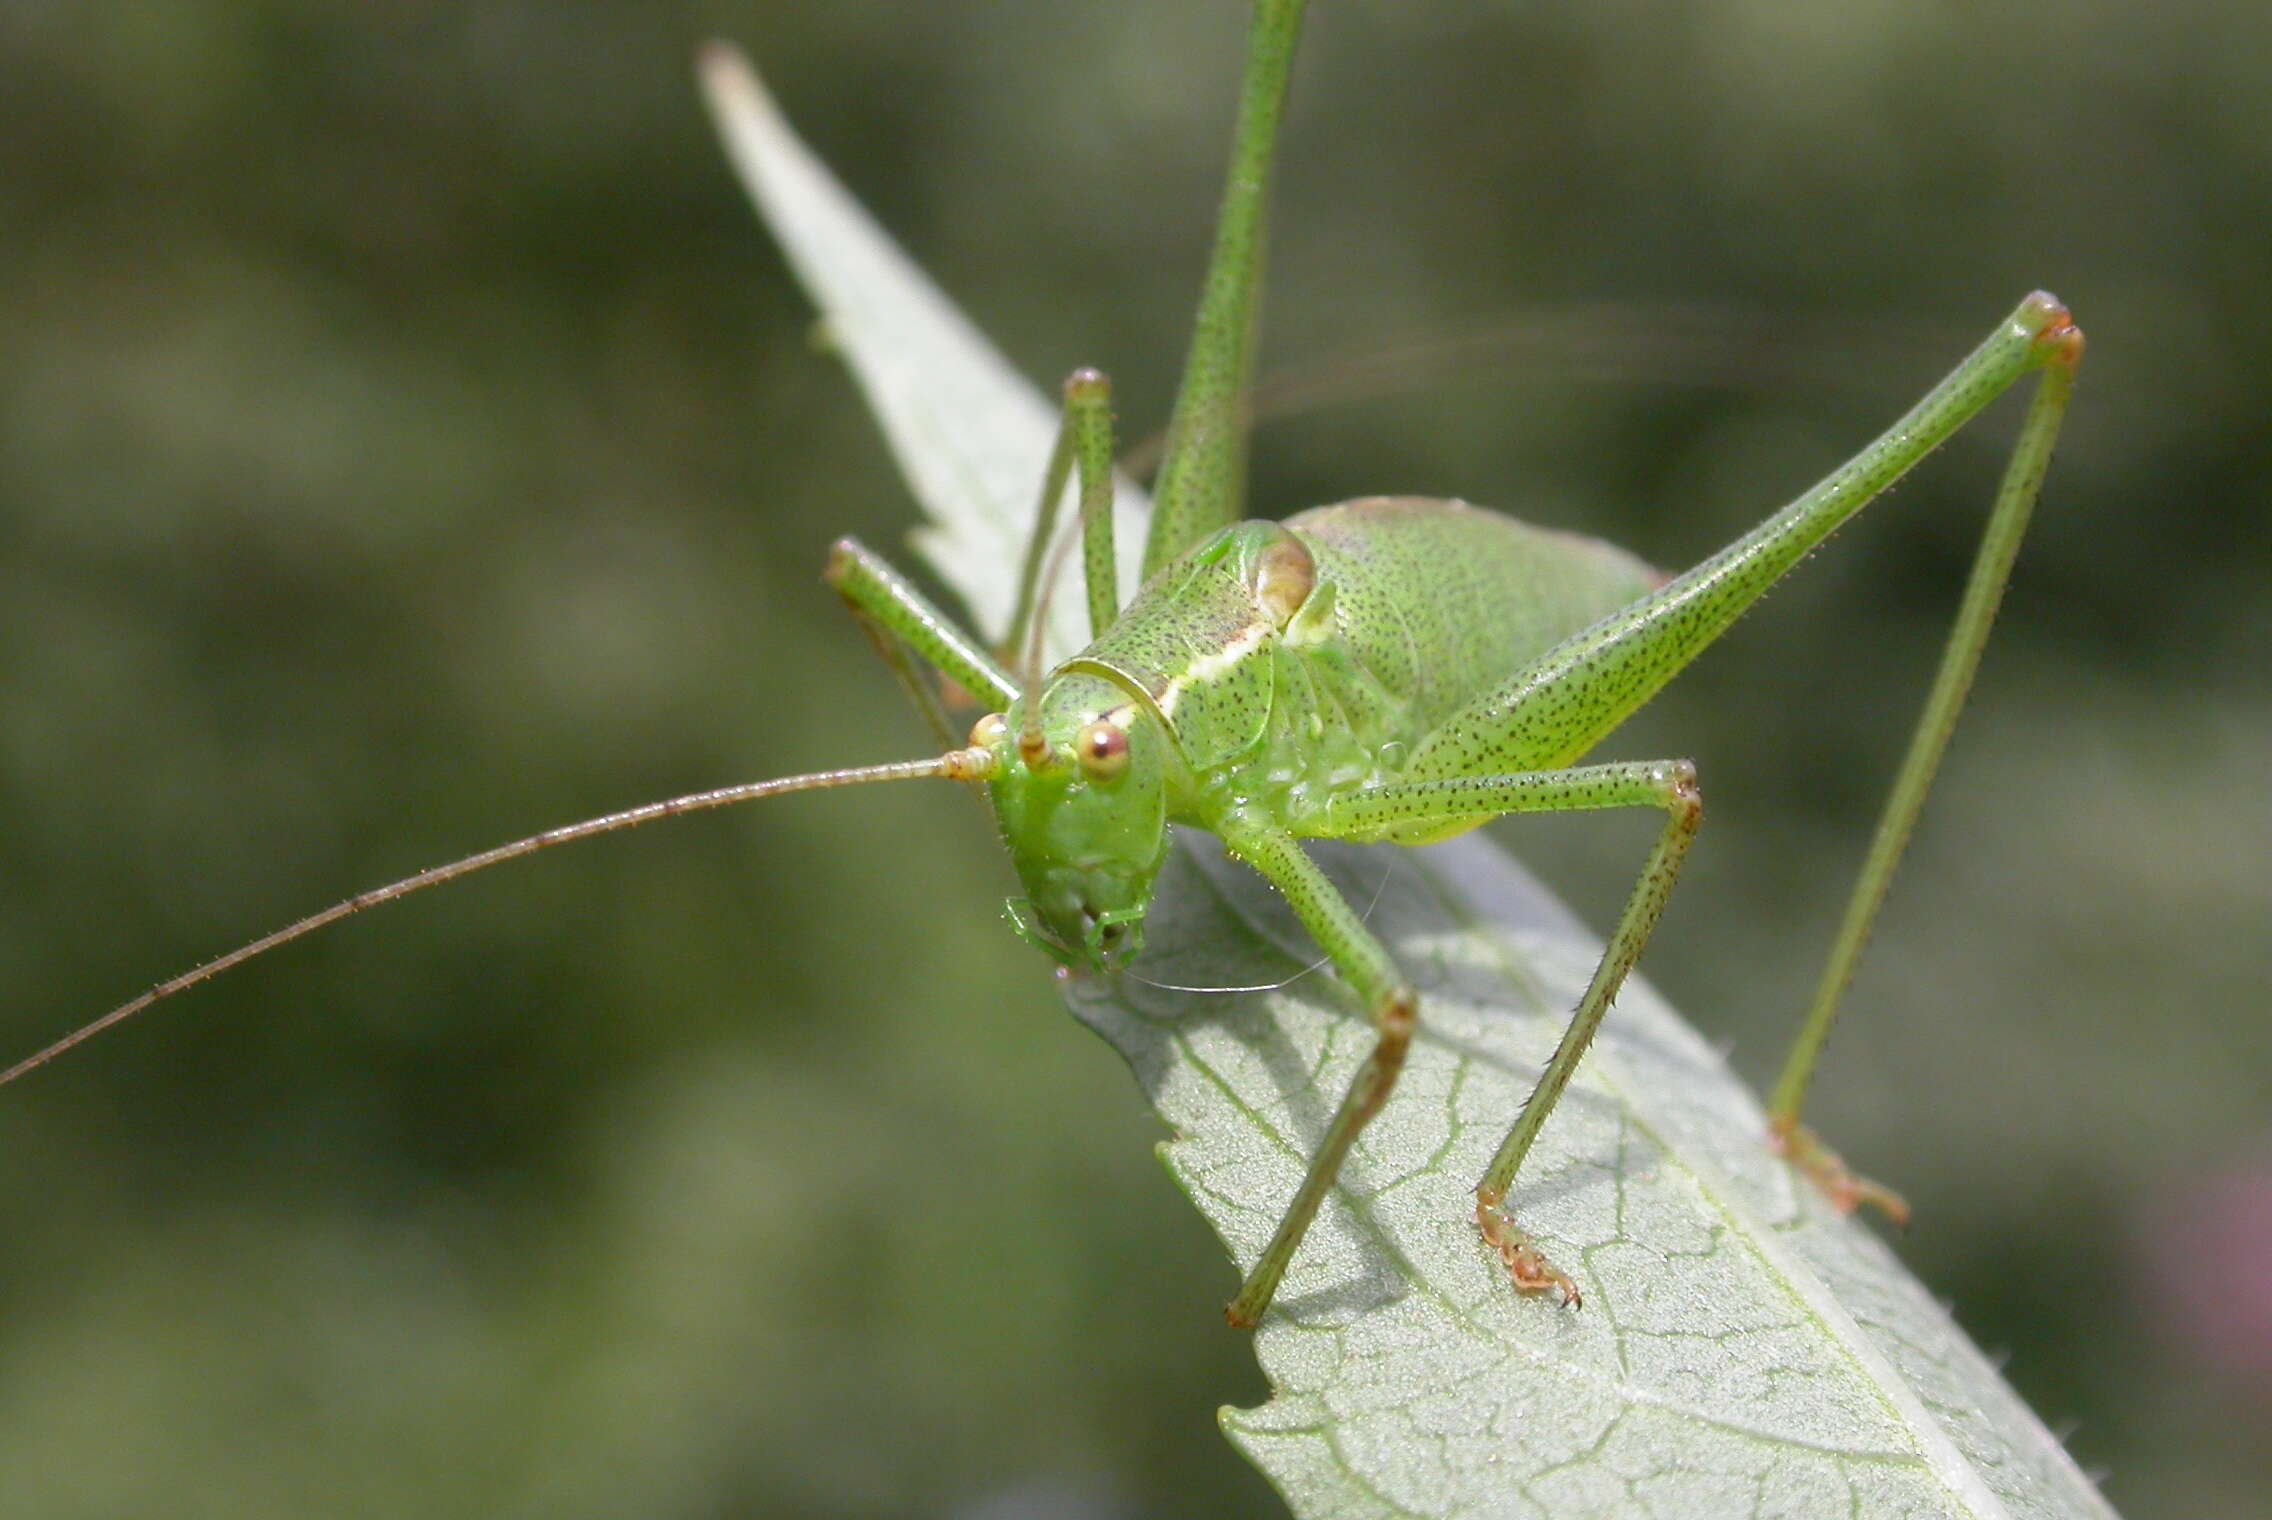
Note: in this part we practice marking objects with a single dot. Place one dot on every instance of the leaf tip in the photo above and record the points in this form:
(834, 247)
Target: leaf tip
(730, 82)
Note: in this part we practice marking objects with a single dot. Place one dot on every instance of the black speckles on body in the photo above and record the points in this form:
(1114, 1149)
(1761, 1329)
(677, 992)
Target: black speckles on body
(1556, 709)
(1423, 606)
(1463, 643)
(1440, 601)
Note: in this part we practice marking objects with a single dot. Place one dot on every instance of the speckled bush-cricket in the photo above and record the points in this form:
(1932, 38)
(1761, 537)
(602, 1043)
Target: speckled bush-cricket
(1383, 669)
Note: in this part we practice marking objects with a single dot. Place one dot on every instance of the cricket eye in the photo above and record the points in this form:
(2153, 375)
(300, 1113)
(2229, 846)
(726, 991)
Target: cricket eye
(1284, 577)
(1103, 748)
(988, 732)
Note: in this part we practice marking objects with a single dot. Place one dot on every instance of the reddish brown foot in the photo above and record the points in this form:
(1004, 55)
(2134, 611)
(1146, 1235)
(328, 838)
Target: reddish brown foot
(1527, 1267)
(1826, 1169)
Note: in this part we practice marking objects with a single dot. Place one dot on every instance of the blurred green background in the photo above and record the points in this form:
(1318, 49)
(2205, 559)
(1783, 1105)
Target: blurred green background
(408, 440)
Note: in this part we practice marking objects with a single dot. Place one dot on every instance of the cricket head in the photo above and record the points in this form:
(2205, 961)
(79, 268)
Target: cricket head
(1080, 792)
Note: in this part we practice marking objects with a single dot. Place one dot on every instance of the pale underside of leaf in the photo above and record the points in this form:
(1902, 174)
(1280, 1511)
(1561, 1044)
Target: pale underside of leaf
(1743, 1350)
(971, 435)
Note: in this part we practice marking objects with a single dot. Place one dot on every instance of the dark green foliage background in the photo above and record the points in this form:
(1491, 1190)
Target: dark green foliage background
(408, 439)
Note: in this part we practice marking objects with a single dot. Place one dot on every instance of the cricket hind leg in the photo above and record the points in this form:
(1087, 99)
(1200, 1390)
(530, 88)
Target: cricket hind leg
(1560, 705)
(1846, 1188)
(1960, 659)
(1421, 808)
(1555, 709)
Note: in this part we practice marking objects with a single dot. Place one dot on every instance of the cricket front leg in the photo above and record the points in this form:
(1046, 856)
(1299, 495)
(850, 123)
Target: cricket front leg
(1365, 964)
(901, 619)
(1420, 808)
(1084, 442)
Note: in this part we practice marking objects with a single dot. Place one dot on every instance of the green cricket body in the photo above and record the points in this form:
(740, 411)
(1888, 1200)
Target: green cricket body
(1272, 669)
(1385, 669)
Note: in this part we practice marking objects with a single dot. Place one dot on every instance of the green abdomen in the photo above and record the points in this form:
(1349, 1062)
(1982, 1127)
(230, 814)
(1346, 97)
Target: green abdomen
(1440, 601)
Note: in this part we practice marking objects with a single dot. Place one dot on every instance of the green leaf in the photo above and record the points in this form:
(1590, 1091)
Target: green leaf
(1743, 1350)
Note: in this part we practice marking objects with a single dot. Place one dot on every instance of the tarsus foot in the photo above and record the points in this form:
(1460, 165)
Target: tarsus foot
(1846, 1189)
(1527, 1267)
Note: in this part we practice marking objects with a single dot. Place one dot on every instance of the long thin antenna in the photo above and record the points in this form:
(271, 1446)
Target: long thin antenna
(956, 765)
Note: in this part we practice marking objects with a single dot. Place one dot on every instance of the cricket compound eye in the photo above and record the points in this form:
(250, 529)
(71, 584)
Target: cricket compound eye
(1103, 748)
(988, 732)
(1284, 577)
